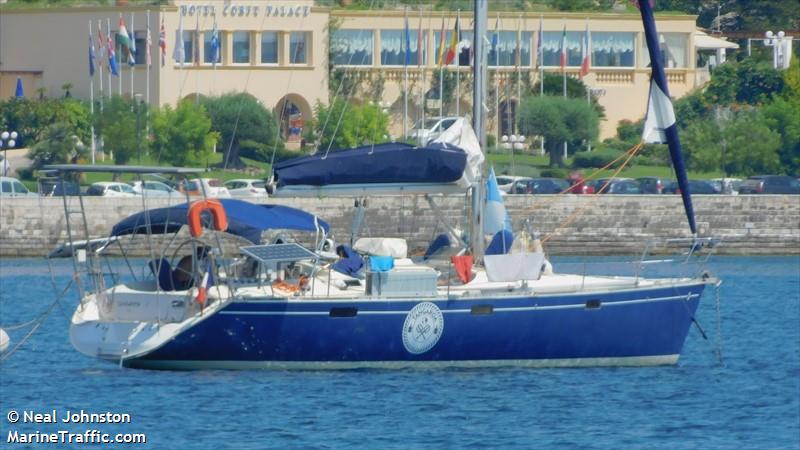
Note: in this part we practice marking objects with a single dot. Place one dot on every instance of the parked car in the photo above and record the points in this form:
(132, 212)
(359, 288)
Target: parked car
(652, 185)
(727, 185)
(504, 182)
(598, 184)
(154, 189)
(579, 185)
(770, 184)
(246, 188)
(618, 186)
(212, 187)
(51, 187)
(11, 187)
(111, 189)
(431, 128)
(539, 186)
(695, 187)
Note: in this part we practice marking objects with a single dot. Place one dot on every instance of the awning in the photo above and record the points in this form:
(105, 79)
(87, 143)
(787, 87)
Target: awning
(703, 41)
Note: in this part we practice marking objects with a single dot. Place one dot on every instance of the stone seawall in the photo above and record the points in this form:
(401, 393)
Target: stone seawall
(609, 224)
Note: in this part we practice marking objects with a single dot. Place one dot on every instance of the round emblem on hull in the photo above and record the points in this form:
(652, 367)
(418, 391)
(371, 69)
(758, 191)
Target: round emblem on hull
(422, 328)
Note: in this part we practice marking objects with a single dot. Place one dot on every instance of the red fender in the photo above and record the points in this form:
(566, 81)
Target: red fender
(218, 216)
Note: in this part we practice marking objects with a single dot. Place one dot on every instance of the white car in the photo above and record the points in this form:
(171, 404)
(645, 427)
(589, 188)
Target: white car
(154, 189)
(11, 187)
(246, 188)
(504, 182)
(429, 130)
(208, 187)
(727, 185)
(111, 189)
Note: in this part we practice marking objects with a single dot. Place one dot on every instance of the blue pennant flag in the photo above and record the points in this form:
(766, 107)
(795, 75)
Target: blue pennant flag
(215, 54)
(91, 56)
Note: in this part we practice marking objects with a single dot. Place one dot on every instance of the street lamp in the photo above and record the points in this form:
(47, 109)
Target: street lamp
(776, 42)
(7, 140)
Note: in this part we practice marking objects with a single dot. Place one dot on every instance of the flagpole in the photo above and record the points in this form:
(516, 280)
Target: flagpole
(497, 76)
(405, 77)
(108, 46)
(91, 92)
(132, 35)
(588, 44)
(119, 64)
(519, 72)
(100, 59)
(539, 57)
(441, 69)
(148, 59)
(564, 72)
(458, 64)
(196, 59)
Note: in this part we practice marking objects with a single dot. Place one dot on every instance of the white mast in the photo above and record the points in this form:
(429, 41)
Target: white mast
(91, 93)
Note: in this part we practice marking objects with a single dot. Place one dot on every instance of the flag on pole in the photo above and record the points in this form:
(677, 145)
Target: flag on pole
(407, 40)
(215, 56)
(162, 43)
(122, 34)
(91, 55)
(179, 53)
(440, 52)
(539, 43)
(563, 49)
(451, 51)
(585, 44)
(196, 42)
(132, 47)
(101, 46)
(148, 43)
(112, 57)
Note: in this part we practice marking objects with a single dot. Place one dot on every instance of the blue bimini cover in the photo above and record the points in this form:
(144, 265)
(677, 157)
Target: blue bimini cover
(246, 220)
(381, 163)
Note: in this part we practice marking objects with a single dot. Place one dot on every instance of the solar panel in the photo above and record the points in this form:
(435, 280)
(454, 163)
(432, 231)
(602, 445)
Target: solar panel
(278, 252)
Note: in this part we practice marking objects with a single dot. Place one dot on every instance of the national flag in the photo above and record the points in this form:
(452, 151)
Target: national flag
(196, 42)
(407, 40)
(162, 43)
(563, 49)
(112, 57)
(202, 289)
(101, 46)
(585, 49)
(91, 55)
(539, 43)
(179, 53)
(122, 34)
(451, 51)
(440, 52)
(148, 44)
(132, 48)
(215, 57)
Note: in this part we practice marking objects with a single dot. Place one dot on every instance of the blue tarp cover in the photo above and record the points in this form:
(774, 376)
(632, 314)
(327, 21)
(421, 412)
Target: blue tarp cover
(245, 219)
(381, 163)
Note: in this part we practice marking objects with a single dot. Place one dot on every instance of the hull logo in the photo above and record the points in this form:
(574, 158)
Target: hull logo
(422, 328)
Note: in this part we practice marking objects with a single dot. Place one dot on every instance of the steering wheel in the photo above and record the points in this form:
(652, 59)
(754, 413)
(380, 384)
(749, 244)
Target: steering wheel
(175, 263)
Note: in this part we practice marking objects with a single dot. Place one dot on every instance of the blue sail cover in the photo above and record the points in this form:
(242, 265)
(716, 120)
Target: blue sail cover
(378, 164)
(246, 220)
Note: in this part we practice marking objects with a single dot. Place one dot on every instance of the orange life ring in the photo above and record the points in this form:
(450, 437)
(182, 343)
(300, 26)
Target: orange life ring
(218, 217)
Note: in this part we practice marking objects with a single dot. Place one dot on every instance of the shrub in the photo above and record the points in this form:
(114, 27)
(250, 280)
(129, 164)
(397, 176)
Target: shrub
(554, 173)
(597, 158)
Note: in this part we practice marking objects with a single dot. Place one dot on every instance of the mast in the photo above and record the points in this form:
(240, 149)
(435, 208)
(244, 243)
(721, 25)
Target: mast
(479, 118)
(660, 124)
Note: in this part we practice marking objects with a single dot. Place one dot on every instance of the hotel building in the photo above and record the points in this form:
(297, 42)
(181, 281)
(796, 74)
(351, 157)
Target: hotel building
(283, 53)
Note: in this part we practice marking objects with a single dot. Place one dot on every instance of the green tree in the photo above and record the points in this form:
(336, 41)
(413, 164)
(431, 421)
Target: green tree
(344, 125)
(746, 82)
(554, 85)
(121, 131)
(183, 136)
(245, 127)
(58, 145)
(783, 117)
(30, 118)
(558, 119)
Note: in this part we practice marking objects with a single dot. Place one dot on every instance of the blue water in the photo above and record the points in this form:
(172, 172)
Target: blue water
(751, 400)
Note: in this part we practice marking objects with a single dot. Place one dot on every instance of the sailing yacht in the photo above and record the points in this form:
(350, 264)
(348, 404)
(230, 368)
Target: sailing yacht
(309, 301)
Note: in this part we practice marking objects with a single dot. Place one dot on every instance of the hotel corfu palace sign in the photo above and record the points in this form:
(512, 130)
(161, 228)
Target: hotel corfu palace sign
(232, 9)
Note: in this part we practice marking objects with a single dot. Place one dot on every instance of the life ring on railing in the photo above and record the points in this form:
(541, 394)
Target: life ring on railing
(218, 217)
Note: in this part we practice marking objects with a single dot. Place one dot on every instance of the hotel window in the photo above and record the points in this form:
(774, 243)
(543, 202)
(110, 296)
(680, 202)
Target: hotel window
(269, 47)
(188, 46)
(505, 53)
(613, 49)
(208, 48)
(297, 47)
(673, 50)
(241, 47)
(393, 47)
(141, 44)
(551, 48)
(352, 48)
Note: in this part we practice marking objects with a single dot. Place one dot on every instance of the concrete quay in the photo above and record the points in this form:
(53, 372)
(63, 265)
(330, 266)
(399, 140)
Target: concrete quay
(576, 224)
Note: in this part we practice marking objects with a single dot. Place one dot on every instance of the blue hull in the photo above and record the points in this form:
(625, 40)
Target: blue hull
(636, 327)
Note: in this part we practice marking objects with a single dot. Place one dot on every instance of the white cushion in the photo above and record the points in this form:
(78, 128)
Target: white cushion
(394, 247)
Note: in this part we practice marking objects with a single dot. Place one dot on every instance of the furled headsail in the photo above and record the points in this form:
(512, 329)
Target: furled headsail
(660, 125)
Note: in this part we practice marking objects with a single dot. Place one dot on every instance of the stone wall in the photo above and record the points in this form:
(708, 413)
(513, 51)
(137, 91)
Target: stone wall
(574, 224)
